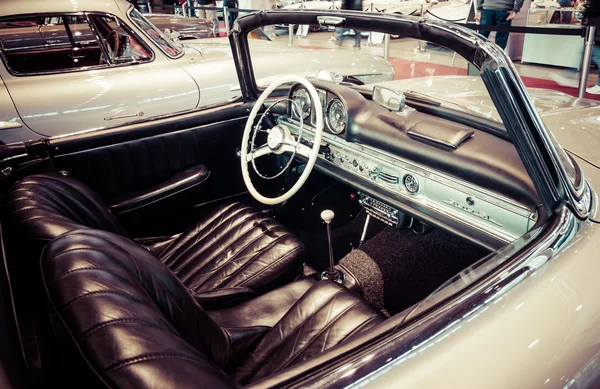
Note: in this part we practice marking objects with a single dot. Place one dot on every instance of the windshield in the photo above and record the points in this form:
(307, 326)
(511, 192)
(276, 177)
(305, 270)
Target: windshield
(422, 70)
(365, 58)
(169, 47)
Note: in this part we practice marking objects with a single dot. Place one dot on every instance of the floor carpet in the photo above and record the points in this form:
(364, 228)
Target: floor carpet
(398, 268)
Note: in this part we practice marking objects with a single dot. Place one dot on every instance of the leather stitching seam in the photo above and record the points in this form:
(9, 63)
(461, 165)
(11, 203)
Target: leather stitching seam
(108, 242)
(100, 326)
(57, 278)
(277, 261)
(298, 329)
(360, 327)
(332, 322)
(198, 239)
(215, 255)
(230, 260)
(128, 362)
(100, 292)
(204, 224)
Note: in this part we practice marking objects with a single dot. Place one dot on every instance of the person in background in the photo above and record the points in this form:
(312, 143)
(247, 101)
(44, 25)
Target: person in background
(208, 14)
(338, 38)
(497, 13)
(200, 12)
(232, 15)
(564, 17)
(592, 14)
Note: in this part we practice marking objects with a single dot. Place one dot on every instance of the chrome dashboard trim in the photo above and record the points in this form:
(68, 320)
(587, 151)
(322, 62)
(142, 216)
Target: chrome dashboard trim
(453, 182)
(438, 201)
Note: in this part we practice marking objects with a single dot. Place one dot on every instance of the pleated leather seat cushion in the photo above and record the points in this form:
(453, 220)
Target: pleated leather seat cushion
(136, 325)
(235, 246)
(233, 253)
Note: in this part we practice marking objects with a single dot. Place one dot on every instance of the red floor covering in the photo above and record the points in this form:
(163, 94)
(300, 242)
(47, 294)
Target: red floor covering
(404, 69)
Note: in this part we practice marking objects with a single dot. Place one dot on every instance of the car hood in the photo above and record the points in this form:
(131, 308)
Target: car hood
(210, 63)
(453, 11)
(573, 121)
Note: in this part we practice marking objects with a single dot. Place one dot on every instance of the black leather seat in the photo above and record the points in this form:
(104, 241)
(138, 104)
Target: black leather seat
(233, 253)
(136, 325)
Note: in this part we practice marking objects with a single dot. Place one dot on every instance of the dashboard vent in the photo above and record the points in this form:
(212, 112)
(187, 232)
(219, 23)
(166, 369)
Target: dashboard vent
(389, 179)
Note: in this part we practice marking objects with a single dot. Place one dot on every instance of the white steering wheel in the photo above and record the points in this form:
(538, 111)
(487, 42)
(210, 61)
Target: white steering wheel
(280, 140)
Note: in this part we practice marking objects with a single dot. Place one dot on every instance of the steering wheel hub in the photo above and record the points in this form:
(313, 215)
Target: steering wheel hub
(276, 137)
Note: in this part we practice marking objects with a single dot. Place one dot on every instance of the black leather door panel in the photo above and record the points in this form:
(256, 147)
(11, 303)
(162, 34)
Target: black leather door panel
(115, 163)
(124, 162)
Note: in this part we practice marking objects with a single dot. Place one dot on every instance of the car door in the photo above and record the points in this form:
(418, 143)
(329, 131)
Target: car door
(91, 71)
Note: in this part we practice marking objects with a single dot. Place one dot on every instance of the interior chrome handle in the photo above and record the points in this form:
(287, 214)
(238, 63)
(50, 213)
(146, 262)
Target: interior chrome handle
(9, 125)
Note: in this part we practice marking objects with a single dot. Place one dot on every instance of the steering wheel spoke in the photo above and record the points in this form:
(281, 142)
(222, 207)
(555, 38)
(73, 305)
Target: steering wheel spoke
(257, 153)
(280, 140)
(299, 149)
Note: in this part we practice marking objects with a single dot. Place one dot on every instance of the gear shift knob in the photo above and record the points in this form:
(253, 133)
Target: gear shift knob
(332, 273)
(327, 215)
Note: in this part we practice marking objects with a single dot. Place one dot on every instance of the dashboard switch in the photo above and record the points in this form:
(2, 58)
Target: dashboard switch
(373, 174)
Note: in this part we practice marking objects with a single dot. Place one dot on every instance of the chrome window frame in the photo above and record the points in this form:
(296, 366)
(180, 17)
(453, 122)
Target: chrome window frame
(109, 65)
(131, 9)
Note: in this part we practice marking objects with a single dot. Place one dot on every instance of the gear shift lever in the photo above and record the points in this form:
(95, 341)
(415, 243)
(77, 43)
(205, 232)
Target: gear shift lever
(332, 273)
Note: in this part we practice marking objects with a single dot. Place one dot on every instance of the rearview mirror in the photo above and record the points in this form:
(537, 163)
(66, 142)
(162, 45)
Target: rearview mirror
(393, 100)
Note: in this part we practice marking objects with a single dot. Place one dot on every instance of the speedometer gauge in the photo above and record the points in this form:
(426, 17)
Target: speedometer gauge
(301, 103)
(336, 116)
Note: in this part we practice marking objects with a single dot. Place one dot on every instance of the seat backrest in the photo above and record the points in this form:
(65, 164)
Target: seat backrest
(131, 319)
(44, 206)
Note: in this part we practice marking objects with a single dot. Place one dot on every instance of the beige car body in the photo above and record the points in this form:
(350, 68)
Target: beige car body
(61, 103)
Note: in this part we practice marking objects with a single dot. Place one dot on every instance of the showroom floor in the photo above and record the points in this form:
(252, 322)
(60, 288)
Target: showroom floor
(437, 61)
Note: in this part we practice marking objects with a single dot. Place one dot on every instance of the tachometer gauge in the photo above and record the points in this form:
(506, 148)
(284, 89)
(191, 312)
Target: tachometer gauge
(336, 116)
(301, 105)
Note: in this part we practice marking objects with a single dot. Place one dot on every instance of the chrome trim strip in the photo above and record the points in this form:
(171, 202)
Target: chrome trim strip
(7, 159)
(146, 119)
(58, 155)
(9, 125)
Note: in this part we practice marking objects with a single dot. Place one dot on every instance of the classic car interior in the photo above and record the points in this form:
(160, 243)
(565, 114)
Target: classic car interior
(149, 237)
(227, 245)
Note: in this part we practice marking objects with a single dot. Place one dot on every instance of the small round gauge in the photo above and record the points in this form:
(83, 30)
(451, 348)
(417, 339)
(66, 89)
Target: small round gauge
(336, 116)
(411, 183)
(301, 103)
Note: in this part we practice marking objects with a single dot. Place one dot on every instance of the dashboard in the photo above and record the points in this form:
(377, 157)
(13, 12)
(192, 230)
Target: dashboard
(398, 175)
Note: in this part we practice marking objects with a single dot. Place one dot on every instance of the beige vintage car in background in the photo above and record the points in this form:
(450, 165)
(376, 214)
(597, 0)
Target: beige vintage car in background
(115, 67)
